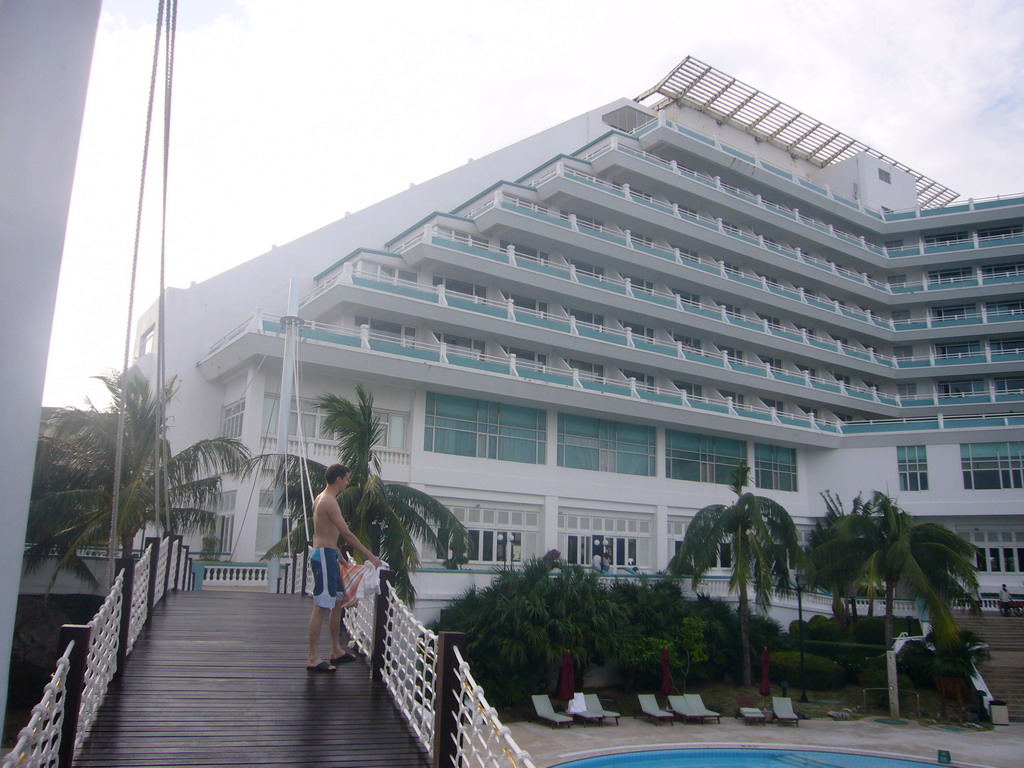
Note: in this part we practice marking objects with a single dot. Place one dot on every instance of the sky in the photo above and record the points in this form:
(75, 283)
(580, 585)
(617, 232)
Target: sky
(287, 115)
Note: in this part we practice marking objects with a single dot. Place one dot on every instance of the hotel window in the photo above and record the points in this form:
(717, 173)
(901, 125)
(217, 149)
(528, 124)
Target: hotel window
(498, 535)
(394, 427)
(947, 238)
(884, 176)
(778, 405)
(957, 349)
(912, 462)
(998, 551)
(734, 355)
(525, 250)
(585, 222)
(638, 282)
(1010, 230)
(1009, 385)
(960, 387)
(688, 342)
(147, 340)
(893, 244)
(605, 446)
(950, 276)
(702, 458)
(231, 419)
(774, 363)
(528, 302)
(637, 239)
(992, 271)
(812, 372)
(382, 272)
(775, 467)
(905, 352)
(642, 379)
(771, 320)
(691, 389)
(453, 285)
(639, 330)
(900, 316)
(588, 370)
(1006, 346)
(956, 312)
(463, 237)
(462, 345)
(1005, 308)
(898, 280)
(731, 310)
(583, 316)
(988, 466)
(387, 330)
(526, 355)
(688, 298)
(738, 399)
(465, 427)
(624, 538)
(586, 268)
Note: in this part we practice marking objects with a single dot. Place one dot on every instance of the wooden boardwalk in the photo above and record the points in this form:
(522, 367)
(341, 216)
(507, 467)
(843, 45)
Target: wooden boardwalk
(219, 679)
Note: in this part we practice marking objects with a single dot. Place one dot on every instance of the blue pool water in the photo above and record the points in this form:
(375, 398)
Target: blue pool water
(740, 758)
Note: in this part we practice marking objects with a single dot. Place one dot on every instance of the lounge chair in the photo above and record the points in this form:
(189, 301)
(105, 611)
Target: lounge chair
(690, 706)
(782, 706)
(595, 711)
(649, 706)
(542, 706)
(751, 715)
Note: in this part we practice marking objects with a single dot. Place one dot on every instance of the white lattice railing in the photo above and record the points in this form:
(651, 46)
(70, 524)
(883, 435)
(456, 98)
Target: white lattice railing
(410, 661)
(140, 598)
(39, 742)
(160, 586)
(359, 624)
(101, 663)
(483, 740)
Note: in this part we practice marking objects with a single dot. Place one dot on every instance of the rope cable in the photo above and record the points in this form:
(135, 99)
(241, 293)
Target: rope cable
(119, 440)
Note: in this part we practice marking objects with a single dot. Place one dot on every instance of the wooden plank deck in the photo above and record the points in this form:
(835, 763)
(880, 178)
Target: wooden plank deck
(219, 679)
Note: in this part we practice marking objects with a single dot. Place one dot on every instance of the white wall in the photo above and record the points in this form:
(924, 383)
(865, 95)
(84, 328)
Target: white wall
(45, 54)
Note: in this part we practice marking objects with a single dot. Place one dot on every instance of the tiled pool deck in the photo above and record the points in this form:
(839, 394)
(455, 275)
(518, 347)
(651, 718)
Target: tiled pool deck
(1002, 747)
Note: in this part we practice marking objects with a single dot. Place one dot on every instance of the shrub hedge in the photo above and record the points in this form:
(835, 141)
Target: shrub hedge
(819, 673)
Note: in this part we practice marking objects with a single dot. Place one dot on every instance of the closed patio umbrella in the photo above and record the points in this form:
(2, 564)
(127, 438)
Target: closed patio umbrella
(766, 683)
(667, 686)
(567, 678)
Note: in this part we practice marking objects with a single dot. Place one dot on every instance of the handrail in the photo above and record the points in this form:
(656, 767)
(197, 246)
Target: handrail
(52, 734)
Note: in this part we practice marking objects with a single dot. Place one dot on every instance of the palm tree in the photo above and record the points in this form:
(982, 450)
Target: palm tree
(763, 544)
(935, 564)
(73, 487)
(839, 573)
(389, 518)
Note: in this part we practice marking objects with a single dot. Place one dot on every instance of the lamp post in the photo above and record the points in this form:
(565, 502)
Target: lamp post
(800, 625)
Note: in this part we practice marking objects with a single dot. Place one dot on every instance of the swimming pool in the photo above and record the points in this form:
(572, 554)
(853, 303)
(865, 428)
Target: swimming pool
(740, 758)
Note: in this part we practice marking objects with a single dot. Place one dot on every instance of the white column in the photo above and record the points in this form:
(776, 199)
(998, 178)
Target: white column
(46, 49)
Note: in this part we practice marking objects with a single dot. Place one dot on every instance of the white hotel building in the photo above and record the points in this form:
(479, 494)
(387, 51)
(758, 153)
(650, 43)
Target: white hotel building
(579, 336)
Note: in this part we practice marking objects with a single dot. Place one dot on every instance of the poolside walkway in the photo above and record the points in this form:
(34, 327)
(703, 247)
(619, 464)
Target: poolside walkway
(999, 748)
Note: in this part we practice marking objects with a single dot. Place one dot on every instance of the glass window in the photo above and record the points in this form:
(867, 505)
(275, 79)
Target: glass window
(775, 467)
(956, 312)
(466, 427)
(1007, 346)
(702, 458)
(960, 387)
(231, 419)
(605, 446)
(988, 466)
(461, 286)
(912, 461)
(1006, 385)
(955, 349)
(1004, 308)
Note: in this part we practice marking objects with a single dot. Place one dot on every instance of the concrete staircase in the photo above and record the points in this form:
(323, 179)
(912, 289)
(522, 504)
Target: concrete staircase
(1004, 672)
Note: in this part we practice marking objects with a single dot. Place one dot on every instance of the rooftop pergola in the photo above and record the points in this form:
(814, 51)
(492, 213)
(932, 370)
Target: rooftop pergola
(702, 87)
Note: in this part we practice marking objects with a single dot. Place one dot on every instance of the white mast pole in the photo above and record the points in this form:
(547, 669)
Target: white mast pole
(291, 323)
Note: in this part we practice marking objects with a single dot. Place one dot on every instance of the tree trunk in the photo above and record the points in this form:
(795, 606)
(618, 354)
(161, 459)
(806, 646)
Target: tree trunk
(745, 635)
(890, 591)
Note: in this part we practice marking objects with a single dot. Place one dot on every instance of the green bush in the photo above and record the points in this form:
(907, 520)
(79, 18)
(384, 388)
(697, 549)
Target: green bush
(823, 628)
(870, 630)
(819, 673)
(855, 659)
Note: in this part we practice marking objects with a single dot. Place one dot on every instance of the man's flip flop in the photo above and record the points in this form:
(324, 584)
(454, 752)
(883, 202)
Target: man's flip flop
(323, 666)
(345, 658)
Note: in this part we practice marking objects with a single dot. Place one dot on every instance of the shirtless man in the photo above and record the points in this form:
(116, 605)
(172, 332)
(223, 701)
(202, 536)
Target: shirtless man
(328, 526)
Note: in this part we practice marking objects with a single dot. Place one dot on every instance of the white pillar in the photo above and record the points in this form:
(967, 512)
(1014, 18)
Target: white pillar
(46, 49)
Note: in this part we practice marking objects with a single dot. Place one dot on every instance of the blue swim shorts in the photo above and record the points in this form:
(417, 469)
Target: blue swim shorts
(326, 577)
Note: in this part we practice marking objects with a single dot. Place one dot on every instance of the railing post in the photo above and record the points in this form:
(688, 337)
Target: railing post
(177, 560)
(127, 566)
(446, 709)
(74, 685)
(305, 568)
(169, 543)
(154, 565)
(380, 625)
